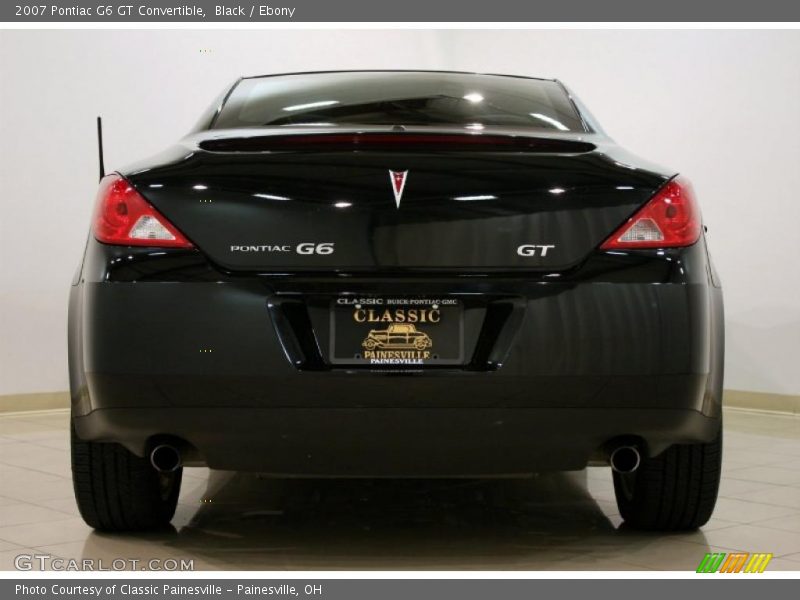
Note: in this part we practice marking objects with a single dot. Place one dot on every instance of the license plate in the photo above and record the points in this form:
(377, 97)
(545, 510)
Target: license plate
(388, 332)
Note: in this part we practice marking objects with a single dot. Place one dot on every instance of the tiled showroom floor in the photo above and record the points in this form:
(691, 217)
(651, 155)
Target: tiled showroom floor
(555, 521)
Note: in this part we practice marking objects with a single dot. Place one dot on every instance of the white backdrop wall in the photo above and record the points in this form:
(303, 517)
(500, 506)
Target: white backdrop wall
(719, 106)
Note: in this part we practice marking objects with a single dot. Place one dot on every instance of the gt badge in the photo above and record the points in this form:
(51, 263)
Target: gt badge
(530, 249)
(398, 179)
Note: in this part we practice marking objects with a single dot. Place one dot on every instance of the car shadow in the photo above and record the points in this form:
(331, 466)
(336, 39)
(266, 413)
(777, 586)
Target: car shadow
(243, 521)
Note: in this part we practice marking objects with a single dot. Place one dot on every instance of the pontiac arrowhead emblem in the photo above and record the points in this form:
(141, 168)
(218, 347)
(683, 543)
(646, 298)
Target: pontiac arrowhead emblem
(398, 179)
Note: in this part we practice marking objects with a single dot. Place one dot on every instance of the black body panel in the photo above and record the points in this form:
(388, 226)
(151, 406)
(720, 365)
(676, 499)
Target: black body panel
(459, 210)
(227, 353)
(205, 359)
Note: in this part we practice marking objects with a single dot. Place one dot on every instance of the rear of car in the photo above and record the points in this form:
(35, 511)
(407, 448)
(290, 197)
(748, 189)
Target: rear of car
(404, 274)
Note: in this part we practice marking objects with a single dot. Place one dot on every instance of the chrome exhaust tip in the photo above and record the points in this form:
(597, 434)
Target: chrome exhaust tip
(625, 459)
(165, 458)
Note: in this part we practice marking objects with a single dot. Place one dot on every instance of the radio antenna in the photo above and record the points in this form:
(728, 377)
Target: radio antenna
(100, 146)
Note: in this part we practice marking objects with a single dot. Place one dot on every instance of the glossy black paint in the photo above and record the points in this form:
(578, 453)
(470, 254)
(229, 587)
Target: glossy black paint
(228, 354)
(460, 210)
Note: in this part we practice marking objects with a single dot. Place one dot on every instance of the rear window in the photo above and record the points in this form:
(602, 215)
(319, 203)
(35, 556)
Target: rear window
(399, 98)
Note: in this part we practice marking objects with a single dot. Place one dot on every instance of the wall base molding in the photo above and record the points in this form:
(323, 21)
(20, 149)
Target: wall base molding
(783, 403)
(29, 402)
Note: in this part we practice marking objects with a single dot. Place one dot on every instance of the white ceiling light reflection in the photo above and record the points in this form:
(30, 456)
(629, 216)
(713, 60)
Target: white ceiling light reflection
(271, 197)
(343, 204)
(319, 104)
(199, 186)
(474, 97)
(475, 198)
(475, 126)
(624, 187)
(550, 120)
(556, 190)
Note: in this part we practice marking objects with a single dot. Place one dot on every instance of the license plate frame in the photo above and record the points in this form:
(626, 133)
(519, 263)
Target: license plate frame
(382, 331)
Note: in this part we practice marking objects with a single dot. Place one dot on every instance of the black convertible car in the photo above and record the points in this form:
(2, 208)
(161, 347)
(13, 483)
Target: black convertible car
(396, 274)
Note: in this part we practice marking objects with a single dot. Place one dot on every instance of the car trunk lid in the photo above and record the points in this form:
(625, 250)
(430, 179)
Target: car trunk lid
(377, 201)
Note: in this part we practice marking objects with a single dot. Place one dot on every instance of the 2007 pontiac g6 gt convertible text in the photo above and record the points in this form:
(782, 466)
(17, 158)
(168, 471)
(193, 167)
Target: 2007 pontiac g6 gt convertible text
(399, 274)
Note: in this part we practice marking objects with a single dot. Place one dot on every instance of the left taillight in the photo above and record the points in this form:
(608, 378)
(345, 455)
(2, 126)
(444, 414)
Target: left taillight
(670, 219)
(123, 217)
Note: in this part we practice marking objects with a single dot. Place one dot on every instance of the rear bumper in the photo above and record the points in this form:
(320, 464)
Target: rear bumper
(556, 369)
(413, 442)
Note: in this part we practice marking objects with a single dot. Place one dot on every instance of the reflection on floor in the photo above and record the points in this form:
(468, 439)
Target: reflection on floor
(554, 521)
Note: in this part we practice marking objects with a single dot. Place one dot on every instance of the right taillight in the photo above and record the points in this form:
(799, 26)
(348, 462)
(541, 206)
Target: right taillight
(123, 217)
(670, 219)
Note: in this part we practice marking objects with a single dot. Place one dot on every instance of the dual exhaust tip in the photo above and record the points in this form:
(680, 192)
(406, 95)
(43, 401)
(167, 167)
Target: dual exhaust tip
(165, 458)
(625, 459)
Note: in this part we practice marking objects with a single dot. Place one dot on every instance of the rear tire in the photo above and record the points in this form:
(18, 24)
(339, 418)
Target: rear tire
(119, 491)
(674, 491)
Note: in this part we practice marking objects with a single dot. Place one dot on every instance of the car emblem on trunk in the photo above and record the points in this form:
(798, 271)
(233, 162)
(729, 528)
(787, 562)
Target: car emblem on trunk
(398, 179)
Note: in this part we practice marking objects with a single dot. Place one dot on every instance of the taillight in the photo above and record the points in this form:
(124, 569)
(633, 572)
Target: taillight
(124, 218)
(670, 219)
